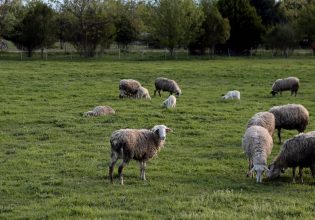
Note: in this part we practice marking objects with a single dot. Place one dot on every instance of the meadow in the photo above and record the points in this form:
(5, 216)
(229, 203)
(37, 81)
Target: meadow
(54, 161)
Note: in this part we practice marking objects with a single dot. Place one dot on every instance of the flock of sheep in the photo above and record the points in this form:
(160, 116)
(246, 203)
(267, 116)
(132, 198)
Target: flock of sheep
(138, 144)
(143, 144)
(298, 151)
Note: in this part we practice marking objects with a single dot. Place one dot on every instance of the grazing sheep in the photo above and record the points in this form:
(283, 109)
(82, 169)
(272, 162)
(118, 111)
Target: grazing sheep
(263, 119)
(165, 84)
(298, 151)
(100, 110)
(290, 83)
(290, 116)
(142, 93)
(257, 144)
(140, 145)
(128, 88)
(170, 102)
(232, 95)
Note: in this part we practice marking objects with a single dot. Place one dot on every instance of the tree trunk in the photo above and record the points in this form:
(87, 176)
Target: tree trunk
(29, 52)
(172, 51)
(42, 53)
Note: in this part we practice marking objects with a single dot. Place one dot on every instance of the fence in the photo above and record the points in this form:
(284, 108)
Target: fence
(142, 54)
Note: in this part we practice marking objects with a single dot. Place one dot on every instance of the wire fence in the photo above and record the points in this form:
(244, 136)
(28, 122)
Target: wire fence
(145, 54)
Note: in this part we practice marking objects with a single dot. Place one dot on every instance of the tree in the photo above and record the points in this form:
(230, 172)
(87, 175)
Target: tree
(9, 11)
(215, 29)
(35, 29)
(87, 24)
(246, 25)
(281, 37)
(269, 11)
(175, 23)
(305, 24)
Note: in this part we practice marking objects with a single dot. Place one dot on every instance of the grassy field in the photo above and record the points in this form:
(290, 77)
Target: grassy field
(54, 162)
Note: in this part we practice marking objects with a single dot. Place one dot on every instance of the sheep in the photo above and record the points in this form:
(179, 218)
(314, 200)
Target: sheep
(298, 151)
(140, 145)
(128, 88)
(290, 116)
(290, 83)
(232, 95)
(165, 84)
(100, 110)
(257, 144)
(142, 93)
(170, 102)
(263, 119)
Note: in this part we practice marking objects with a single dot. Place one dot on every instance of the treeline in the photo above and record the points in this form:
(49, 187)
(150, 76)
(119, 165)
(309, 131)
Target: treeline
(225, 26)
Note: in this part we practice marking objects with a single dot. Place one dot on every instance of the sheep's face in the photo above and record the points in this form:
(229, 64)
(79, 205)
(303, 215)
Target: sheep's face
(259, 169)
(273, 172)
(273, 93)
(161, 130)
(178, 92)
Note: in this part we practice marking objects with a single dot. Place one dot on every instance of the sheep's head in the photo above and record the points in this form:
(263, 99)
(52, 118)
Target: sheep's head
(273, 93)
(259, 169)
(161, 130)
(178, 92)
(89, 113)
(274, 171)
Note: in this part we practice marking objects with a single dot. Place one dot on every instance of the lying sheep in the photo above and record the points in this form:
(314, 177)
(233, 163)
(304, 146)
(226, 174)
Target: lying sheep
(263, 119)
(290, 116)
(298, 151)
(170, 102)
(257, 144)
(290, 83)
(100, 110)
(140, 145)
(232, 95)
(142, 93)
(165, 84)
(128, 88)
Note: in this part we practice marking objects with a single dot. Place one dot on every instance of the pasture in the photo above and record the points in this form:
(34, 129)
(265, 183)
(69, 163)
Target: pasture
(54, 162)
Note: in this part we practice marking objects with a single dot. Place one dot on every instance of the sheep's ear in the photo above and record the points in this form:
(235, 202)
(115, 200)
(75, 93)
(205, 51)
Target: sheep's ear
(168, 130)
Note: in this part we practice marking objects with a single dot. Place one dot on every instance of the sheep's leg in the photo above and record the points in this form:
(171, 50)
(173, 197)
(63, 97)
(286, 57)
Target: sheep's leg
(279, 135)
(120, 172)
(250, 166)
(301, 174)
(159, 91)
(141, 169)
(293, 174)
(144, 164)
(154, 92)
(114, 158)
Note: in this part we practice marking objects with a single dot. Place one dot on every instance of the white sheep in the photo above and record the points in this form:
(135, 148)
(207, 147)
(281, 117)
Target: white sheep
(170, 102)
(142, 93)
(263, 119)
(100, 110)
(140, 145)
(257, 144)
(232, 95)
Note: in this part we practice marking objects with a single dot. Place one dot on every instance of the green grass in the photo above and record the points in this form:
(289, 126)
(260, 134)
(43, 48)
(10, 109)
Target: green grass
(53, 161)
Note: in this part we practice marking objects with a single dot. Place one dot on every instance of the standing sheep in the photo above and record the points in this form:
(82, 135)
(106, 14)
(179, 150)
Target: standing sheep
(298, 151)
(290, 83)
(165, 84)
(140, 145)
(257, 144)
(232, 95)
(290, 117)
(128, 88)
(263, 119)
(142, 93)
(100, 110)
(170, 102)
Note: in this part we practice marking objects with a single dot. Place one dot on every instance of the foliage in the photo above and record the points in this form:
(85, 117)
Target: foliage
(305, 23)
(269, 11)
(246, 25)
(281, 37)
(35, 29)
(54, 162)
(87, 24)
(9, 11)
(175, 23)
(214, 29)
